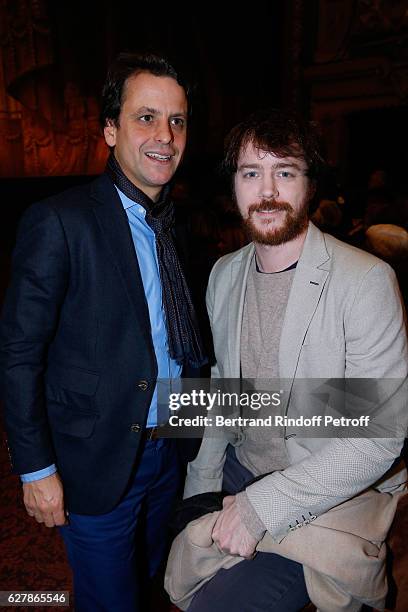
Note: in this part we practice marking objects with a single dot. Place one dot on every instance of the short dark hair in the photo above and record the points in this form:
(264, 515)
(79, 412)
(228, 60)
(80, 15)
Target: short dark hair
(128, 65)
(279, 132)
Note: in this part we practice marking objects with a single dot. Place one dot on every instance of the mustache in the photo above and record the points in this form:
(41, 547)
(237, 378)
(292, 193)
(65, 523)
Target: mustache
(269, 205)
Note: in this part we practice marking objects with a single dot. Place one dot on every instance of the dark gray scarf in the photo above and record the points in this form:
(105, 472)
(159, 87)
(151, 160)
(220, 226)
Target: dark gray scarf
(185, 345)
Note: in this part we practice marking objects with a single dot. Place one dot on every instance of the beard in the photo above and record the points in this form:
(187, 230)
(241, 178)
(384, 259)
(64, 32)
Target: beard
(293, 225)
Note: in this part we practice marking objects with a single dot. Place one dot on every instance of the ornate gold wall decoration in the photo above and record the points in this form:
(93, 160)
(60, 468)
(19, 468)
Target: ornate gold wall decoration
(43, 132)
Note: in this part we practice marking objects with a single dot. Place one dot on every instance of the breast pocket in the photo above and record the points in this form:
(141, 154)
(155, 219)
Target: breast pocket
(70, 394)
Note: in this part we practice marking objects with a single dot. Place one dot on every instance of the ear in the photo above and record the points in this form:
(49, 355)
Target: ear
(109, 131)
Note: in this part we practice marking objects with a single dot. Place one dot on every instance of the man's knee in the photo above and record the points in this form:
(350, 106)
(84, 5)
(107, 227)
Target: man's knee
(267, 582)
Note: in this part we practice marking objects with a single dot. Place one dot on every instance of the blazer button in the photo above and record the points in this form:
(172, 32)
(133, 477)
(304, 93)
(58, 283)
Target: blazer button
(143, 384)
(135, 428)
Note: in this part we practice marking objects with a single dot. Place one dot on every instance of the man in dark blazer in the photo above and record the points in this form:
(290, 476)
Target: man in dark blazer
(97, 311)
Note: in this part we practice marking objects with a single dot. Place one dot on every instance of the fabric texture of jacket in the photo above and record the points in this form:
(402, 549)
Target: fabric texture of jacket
(77, 358)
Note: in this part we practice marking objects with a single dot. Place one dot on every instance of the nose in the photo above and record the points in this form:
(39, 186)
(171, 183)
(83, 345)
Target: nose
(269, 187)
(164, 133)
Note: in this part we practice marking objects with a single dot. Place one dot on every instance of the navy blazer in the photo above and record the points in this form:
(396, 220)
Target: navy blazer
(78, 363)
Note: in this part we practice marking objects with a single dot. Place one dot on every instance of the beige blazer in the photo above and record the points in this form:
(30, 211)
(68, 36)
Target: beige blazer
(344, 319)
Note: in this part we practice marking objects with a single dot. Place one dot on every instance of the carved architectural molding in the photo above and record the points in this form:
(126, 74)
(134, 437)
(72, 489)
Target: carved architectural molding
(350, 85)
(360, 63)
(334, 22)
(379, 19)
(42, 133)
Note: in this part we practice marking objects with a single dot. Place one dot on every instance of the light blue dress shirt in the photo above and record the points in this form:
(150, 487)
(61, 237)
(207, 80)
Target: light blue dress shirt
(144, 241)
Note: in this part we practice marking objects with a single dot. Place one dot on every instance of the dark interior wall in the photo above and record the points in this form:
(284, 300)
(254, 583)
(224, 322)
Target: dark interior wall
(79, 42)
(235, 57)
(236, 61)
(378, 142)
(344, 62)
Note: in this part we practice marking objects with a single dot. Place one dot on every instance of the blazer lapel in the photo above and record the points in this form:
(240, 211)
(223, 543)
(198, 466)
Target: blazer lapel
(237, 290)
(114, 224)
(309, 281)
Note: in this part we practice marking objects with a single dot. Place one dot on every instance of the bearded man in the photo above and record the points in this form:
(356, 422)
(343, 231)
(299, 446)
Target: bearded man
(296, 303)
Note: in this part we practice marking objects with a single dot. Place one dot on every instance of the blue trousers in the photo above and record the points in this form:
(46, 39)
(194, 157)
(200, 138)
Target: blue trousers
(110, 554)
(266, 583)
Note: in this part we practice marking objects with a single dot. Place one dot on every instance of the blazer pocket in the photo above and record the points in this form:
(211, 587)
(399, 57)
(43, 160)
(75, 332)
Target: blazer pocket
(73, 379)
(71, 422)
(73, 391)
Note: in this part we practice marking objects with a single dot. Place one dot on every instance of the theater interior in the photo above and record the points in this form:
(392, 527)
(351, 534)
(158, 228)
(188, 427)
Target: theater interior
(341, 63)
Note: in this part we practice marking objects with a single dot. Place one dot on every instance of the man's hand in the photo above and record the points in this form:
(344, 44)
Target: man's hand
(44, 499)
(230, 533)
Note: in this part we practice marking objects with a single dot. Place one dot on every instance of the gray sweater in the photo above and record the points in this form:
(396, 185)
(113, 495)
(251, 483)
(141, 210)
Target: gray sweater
(262, 450)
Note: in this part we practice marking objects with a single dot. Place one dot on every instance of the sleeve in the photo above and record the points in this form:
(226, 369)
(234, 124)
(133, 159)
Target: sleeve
(249, 517)
(376, 347)
(39, 278)
(39, 474)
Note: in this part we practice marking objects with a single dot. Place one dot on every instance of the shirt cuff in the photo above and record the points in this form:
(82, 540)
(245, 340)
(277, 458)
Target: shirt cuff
(249, 516)
(39, 474)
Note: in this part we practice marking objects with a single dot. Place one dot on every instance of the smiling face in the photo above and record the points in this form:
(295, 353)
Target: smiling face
(272, 195)
(149, 137)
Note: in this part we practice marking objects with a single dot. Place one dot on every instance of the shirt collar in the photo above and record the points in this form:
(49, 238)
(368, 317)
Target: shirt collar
(128, 203)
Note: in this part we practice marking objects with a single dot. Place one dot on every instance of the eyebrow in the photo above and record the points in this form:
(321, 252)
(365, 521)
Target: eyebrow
(147, 109)
(154, 111)
(288, 165)
(249, 166)
(278, 165)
